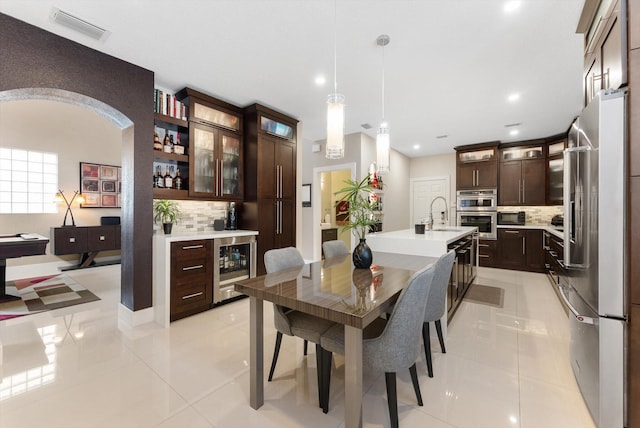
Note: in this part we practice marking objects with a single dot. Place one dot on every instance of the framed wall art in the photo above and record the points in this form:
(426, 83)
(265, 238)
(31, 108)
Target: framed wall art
(100, 185)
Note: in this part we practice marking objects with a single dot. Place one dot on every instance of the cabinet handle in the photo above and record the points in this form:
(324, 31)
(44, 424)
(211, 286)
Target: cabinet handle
(72, 240)
(189, 296)
(512, 231)
(477, 177)
(193, 267)
(192, 247)
(524, 195)
(221, 180)
(280, 219)
(483, 256)
(483, 245)
(101, 237)
(524, 239)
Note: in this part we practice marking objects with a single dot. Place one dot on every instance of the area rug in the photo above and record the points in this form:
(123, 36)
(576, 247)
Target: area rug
(43, 293)
(485, 295)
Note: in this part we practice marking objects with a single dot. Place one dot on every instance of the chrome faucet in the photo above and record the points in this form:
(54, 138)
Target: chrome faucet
(446, 212)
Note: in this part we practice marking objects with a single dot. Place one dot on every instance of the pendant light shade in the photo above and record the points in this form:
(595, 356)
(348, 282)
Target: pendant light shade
(335, 109)
(382, 139)
(382, 148)
(335, 126)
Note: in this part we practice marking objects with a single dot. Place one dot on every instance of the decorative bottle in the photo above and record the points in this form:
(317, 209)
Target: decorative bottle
(178, 148)
(168, 179)
(157, 145)
(159, 178)
(177, 182)
(167, 143)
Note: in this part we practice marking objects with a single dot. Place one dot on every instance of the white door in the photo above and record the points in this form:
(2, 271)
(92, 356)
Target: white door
(423, 191)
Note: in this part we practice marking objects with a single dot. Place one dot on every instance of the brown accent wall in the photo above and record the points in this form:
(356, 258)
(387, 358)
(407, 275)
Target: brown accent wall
(33, 58)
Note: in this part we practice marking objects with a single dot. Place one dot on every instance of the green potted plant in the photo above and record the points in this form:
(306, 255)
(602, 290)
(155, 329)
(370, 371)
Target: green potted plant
(355, 197)
(166, 212)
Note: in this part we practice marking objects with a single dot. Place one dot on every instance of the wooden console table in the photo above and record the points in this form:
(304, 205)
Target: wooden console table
(85, 240)
(12, 246)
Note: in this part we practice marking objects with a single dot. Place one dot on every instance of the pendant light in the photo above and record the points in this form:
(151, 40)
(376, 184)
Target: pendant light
(382, 139)
(335, 109)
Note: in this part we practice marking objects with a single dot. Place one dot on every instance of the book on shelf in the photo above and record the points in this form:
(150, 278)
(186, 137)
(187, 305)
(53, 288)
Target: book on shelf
(168, 105)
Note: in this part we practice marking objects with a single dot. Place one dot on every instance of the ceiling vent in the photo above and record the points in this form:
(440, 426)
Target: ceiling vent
(439, 137)
(511, 125)
(366, 126)
(79, 25)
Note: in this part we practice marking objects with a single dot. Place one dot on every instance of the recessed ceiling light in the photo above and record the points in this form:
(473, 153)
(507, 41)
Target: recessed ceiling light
(416, 146)
(514, 132)
(320, 80)
(513, 97)
(511, 6)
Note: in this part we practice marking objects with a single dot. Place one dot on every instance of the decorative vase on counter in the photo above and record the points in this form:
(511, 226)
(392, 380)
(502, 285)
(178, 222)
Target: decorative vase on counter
(362, 255)
(167, 228)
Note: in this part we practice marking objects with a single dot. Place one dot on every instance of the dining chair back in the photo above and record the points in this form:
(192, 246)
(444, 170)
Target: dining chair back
(396, 348)
(436, 305)
(334, 248)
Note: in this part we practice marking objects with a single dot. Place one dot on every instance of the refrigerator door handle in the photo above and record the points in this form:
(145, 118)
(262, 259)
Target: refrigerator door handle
(574, 208)
(580, 318)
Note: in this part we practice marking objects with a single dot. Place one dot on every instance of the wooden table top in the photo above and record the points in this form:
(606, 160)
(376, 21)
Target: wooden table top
(333, 289)
(12, 246)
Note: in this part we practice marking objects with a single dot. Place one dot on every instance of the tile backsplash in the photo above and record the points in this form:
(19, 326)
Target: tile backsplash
(536, 215)
(197, 216)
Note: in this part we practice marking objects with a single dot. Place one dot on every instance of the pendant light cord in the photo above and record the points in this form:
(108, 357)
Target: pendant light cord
(383, 83)
(335, 48)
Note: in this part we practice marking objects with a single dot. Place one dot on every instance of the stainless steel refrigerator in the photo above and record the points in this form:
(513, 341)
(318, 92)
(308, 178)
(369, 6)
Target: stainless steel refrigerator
(594, 254)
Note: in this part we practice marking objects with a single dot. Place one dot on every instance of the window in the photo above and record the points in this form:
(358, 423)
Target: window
(28, 181)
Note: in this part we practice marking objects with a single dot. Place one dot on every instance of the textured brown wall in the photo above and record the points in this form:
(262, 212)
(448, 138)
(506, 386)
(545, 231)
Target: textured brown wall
(33, 58)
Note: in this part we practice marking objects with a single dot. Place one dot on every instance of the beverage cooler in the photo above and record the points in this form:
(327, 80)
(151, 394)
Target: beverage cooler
(234, 260)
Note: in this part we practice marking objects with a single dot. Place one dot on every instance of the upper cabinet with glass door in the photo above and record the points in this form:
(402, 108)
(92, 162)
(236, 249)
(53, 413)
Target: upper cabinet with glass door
(216, 162)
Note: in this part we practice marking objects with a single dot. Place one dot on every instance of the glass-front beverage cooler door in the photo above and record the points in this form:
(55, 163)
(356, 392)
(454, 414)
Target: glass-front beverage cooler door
(235, 261)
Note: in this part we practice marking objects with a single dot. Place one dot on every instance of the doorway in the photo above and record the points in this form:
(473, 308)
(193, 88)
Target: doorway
(330, 179)
(422, 191)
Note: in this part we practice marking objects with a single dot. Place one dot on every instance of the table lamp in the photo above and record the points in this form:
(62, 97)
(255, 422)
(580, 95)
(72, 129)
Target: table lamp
(60, 197)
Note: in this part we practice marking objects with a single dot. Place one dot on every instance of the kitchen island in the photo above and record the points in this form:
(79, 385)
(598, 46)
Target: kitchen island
(434, 243)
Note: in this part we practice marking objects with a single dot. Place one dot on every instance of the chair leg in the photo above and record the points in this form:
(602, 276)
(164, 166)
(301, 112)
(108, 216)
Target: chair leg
(276, 351)
(319, 365)
(427, 347)
(326, 378)
(392, 398)
(416, 385)
(440, 338)
(305, 347)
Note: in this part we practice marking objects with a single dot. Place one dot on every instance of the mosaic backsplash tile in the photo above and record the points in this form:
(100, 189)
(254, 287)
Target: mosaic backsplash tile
(535, 216)
(197, 216)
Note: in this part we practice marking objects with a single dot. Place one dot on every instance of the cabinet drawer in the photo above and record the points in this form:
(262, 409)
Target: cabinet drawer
(69, 240)
(191, 250)
(101, 238)
(191, 296)
(487, 252)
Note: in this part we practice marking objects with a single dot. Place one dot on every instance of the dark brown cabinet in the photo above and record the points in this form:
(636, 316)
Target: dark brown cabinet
(87, 241)
(520, 249)
(191, 277)
(477, 166)
(605, 54)
(522, 176)
(215, 147)
(463, 271)
(487, 249)
(270, 179)
(330, 234)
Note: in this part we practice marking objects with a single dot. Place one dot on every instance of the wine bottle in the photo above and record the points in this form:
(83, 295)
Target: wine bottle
(178, 148)
(178, 180)
(168, 179)
(157, 145)
(166, 143)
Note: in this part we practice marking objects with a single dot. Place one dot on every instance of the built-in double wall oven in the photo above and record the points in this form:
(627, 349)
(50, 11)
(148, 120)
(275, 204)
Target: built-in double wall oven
(478, 208)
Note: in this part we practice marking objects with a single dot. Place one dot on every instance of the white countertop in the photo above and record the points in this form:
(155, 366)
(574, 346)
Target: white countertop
(191, 236)
(432, 243)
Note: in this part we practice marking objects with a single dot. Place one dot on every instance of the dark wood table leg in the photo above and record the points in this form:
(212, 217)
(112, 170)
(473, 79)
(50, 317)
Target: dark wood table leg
(4, 297)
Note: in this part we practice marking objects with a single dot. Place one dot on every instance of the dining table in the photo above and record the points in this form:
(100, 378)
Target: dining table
(335, 290)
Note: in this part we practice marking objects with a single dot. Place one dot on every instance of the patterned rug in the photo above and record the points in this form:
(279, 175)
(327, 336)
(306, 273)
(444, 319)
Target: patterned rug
(485, 295)
(43, 293)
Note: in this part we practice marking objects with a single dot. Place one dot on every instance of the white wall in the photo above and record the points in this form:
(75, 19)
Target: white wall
(75, 134)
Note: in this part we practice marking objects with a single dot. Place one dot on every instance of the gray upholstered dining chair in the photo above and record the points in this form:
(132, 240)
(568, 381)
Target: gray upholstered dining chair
(334, 248)
(436, 305)
(396, 348)
(288, 321)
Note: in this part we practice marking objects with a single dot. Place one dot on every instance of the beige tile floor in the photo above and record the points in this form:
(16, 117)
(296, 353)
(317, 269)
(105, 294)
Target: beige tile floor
(78, 367)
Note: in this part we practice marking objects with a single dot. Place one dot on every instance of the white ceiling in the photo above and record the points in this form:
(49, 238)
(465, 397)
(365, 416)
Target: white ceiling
(449, 67)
